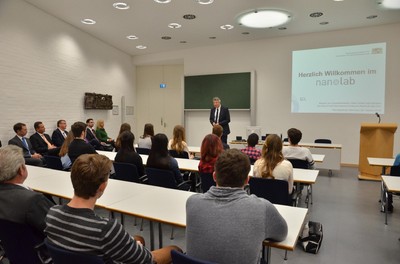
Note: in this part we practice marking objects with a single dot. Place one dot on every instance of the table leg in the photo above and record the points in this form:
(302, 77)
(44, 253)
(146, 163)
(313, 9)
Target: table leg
(151, 236)
(268, 258)
(383, 170)
(160, 236)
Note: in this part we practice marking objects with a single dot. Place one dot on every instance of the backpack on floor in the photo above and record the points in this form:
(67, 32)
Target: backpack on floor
(312, 237)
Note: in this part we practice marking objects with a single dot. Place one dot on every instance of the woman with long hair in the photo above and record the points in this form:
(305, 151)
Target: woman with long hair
(159, 158)
(178, 142)
(127, 153)
(145, 139)
(210, 149)
(124, 127)
(272, 164)
(65, 160)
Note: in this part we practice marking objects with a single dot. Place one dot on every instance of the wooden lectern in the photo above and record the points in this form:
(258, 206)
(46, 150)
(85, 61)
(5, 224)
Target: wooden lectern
(376, 140)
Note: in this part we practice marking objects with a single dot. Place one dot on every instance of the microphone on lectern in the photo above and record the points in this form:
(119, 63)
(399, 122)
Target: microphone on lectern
(379, 117)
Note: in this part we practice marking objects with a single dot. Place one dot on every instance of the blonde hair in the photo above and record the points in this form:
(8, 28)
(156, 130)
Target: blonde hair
(98, 122)
(178, 138)
(271, 154)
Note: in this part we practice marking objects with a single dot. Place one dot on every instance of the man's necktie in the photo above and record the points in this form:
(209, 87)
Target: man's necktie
(45, 140)
(26, 145)
(216, 116)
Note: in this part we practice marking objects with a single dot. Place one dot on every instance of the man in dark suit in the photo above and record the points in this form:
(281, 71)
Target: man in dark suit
(18, 203)
(79, 146)
(41, 142)
(60, 133)
(30, 155)
(219, 115)
(91, 135)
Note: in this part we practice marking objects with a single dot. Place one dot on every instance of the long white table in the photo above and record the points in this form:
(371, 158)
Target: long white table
(150, 202)
(382, 162)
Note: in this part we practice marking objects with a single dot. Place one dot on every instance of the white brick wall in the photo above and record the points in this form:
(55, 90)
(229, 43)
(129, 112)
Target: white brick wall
(46, 66)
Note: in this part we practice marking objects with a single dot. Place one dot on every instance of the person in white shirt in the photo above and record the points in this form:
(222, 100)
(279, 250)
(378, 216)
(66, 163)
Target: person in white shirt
(145, 140)
(294, 151)
(272, 164)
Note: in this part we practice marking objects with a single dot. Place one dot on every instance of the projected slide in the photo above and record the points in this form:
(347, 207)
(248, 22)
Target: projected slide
(339, 80)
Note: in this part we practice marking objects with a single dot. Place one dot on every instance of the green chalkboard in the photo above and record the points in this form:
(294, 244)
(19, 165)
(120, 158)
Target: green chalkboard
(232, 88)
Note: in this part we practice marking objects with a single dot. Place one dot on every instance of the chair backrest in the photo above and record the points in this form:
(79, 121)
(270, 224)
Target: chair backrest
(299, 164)
(161, 178)
(63, 256)
(395, 171)
(181, 155)
(323, 140)
(144, 151)
(126, 172)
(206, 181)
(53, 162)
(180, 258)
(19, 242)
(275, 191)
(285, 140)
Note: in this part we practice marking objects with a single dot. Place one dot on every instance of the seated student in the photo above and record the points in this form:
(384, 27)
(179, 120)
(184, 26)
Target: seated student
(251, 151)
(124, 127)
(397, 160)
(225, 224)
(272, 164)
(30, 155)
(76, 227)
(294, 151)
(218, 131)
(101, 133)
(210, 149)
(79, 146)
(41, 142)
(159, 158)
(18, 203)
(92, 138)
(65, 160)
(127, 153)
(145, 139)
(60, 133)
(178, 143)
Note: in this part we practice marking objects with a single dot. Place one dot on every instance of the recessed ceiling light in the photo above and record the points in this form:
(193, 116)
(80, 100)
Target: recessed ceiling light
(205, 2)
(372, 17)
(183, 41)
(392, 4)
(121, 5)
(263, 18)
(316, 14)
(189, 16)
(162, 1)
(131, 37)
(226, 27)
(174, 25)
(88, 21)
(212, 37)
(166, 37)
(324, 23)
(338, 0)
(141, 47)
(246, 33)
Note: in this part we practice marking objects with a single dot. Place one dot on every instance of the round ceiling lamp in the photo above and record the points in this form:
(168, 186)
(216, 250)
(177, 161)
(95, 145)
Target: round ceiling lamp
(263, 18)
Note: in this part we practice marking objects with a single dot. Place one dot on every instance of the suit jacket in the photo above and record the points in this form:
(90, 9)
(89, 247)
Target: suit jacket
(90, 134)
(224, 118)
(58, 138)
(38, 144)
(16, 141)
(20, 205)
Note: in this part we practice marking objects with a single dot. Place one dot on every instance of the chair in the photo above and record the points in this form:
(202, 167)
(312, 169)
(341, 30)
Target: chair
(127, 172)
(285, 140)
(207, 181)
(299, 164)
(181, 155)
(144, 151)
(164, 178)
(275, 191)
(323, 141)
(63, 256)
(22, 244)
(180, 258)
(395, 171)
(53, 162)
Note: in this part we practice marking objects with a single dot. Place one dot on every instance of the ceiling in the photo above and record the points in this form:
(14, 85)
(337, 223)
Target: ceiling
(149, 20)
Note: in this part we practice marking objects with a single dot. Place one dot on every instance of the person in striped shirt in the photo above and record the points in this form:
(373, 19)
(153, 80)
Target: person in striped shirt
(76, 227)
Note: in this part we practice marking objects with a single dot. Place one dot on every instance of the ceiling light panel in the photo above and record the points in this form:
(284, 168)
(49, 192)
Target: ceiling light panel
(121, 5)
(263, 18)
(88, 21)
(162, 1)
(205, 2)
